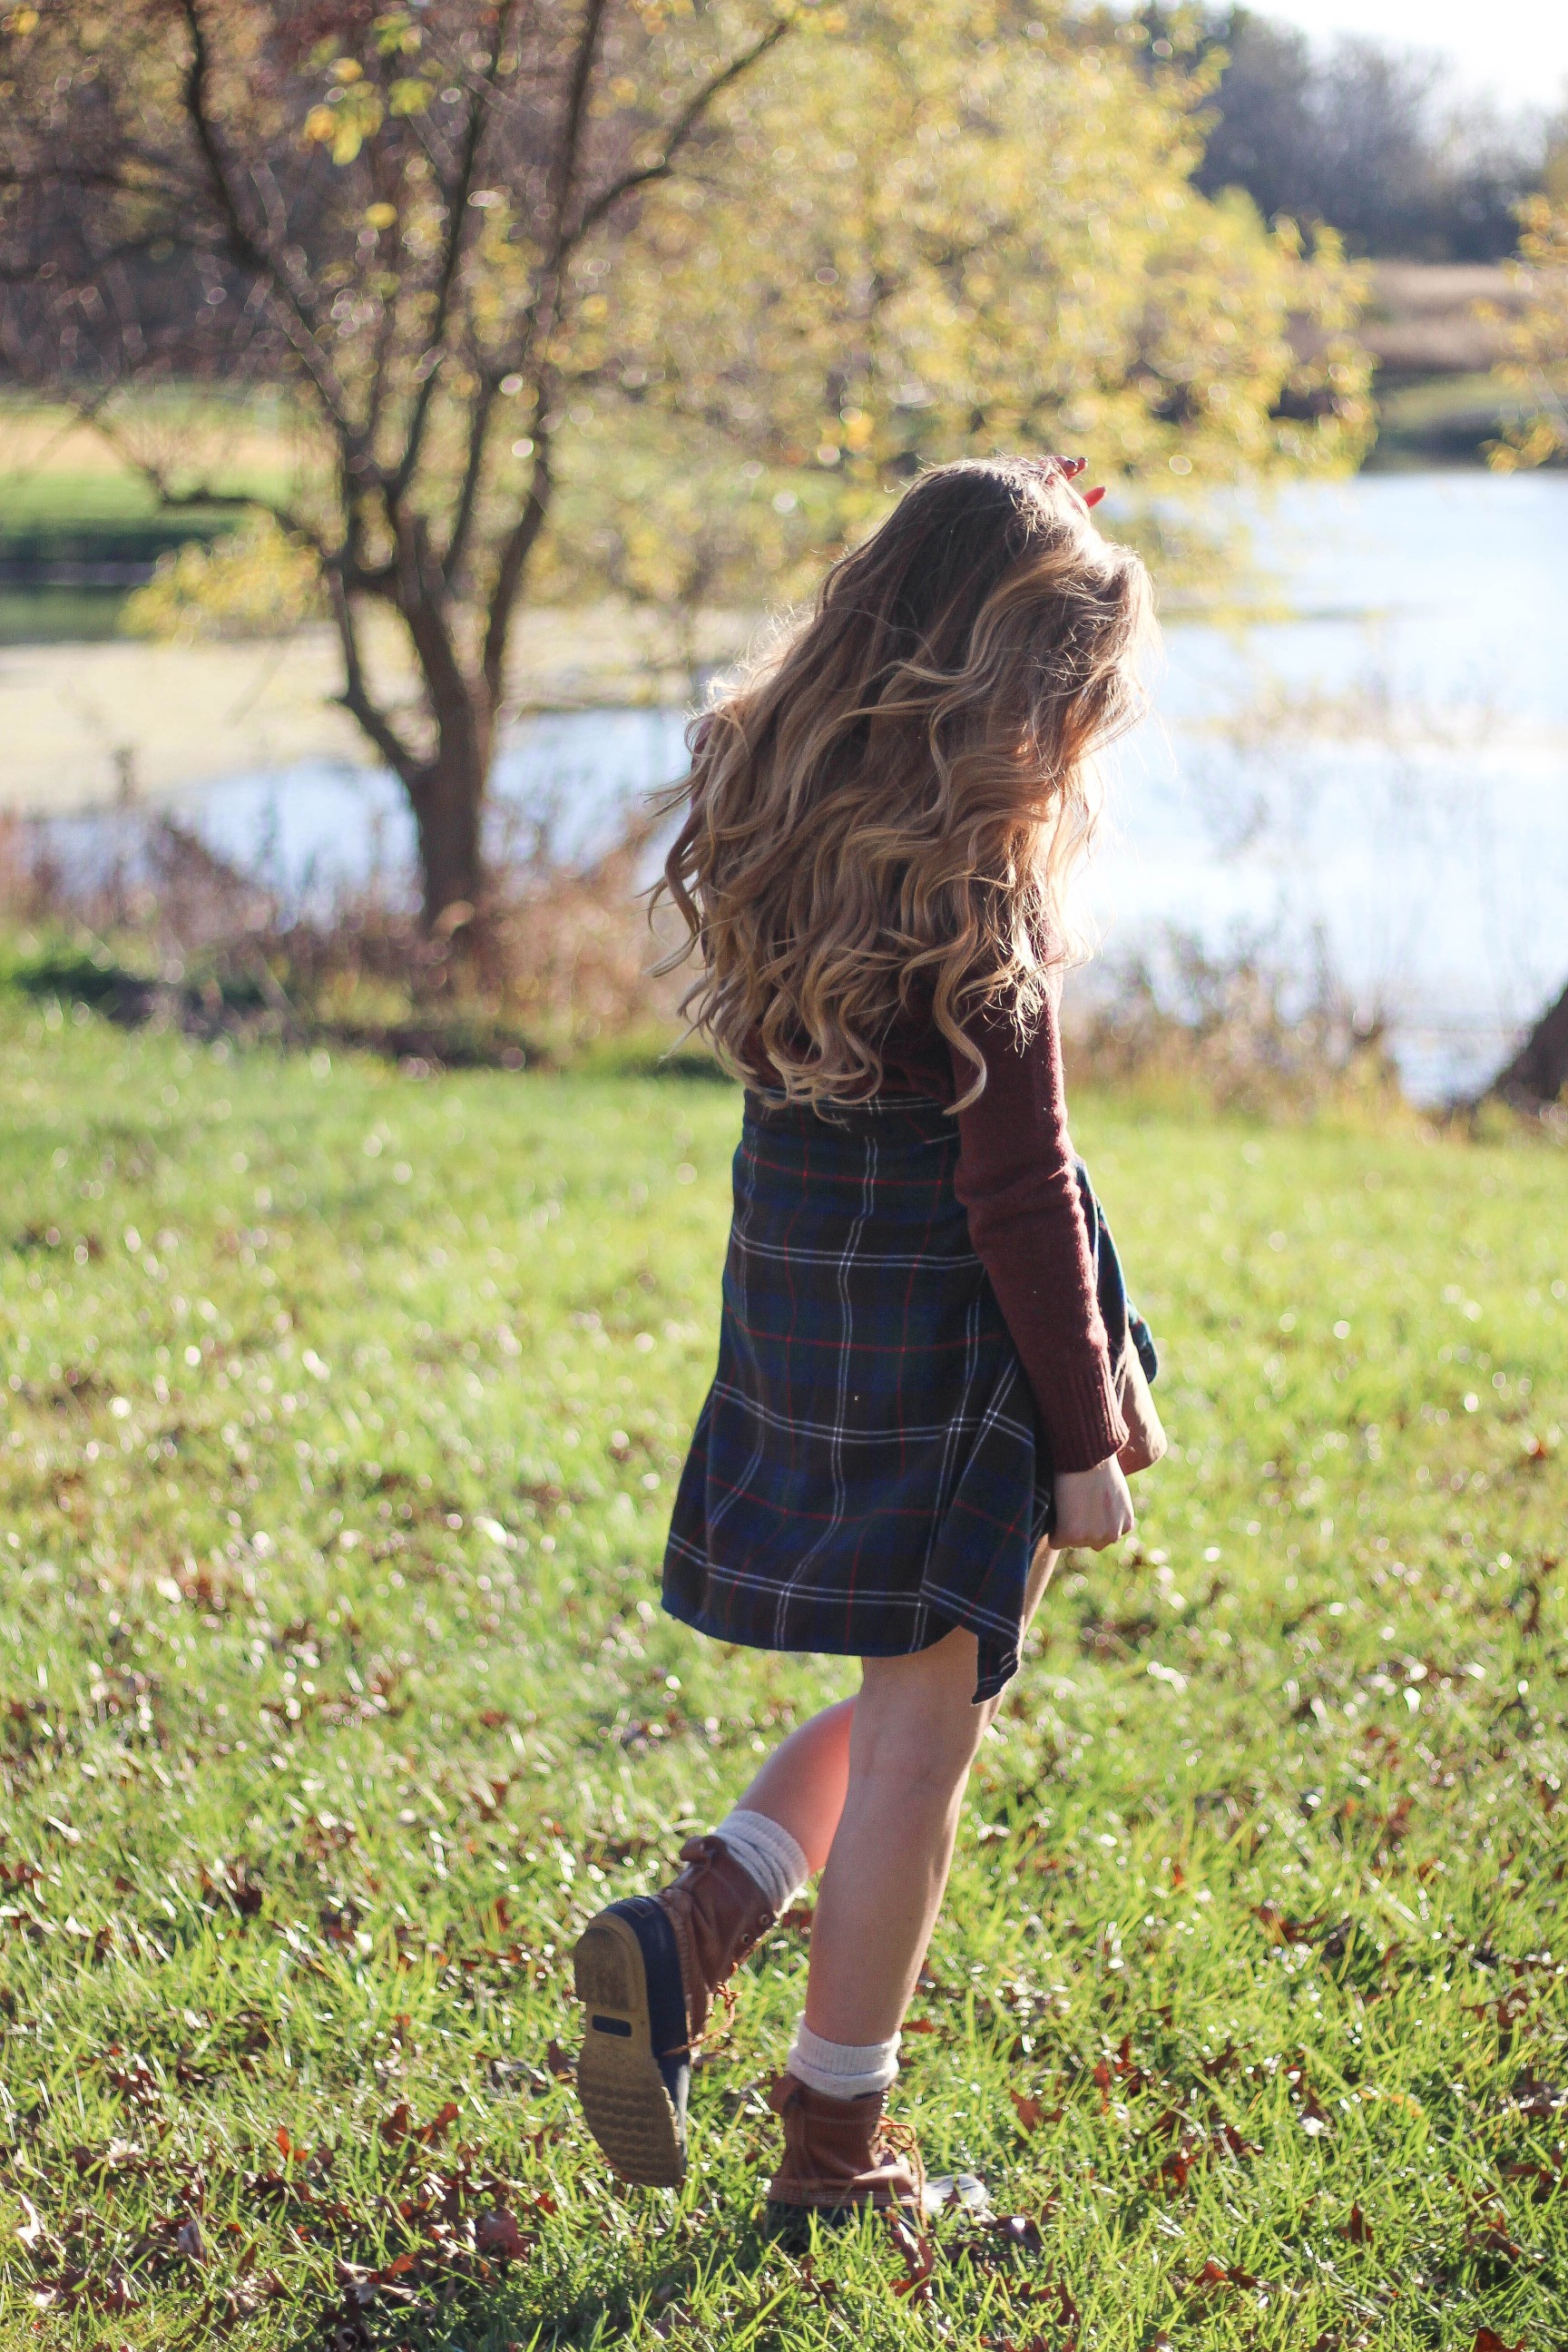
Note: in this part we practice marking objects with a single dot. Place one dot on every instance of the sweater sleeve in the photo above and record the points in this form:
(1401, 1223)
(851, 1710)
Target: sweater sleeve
(1017, 1180)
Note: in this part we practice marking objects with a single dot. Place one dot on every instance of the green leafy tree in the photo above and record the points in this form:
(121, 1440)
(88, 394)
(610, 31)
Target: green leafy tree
(1018, 258)
(406, 216)
(1019, 255)
(669, 295)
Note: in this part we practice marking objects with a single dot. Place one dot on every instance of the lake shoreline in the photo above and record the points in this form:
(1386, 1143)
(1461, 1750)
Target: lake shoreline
(87, 724)
(1371, 782)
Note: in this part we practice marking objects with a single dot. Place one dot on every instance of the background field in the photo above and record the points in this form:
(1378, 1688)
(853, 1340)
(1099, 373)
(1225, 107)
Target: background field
(342, 1411)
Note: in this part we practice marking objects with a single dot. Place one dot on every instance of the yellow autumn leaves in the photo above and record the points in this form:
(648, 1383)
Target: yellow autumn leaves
(355, 108)
(1539, 364)
(952, 231)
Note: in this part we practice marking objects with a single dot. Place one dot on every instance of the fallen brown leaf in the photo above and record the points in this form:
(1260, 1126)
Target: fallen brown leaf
(1217, 2273)
(920, 2257)
(1281, 1928)
(497, 2235)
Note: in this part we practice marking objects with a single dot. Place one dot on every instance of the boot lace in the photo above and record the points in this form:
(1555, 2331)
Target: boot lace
(697, 2042)
(704, 1849)
(898, 2140)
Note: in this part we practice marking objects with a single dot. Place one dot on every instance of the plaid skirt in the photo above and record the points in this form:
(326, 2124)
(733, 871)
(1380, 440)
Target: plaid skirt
(868, 1471)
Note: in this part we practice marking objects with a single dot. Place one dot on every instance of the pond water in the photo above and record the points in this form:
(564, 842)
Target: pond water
(1382, 782)
(1377, 786)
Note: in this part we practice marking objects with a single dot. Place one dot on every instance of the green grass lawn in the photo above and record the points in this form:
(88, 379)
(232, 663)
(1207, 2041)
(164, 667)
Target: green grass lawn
(342, 1411)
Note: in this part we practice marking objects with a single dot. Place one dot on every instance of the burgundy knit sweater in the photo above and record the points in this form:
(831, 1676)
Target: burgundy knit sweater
(1016, 1179)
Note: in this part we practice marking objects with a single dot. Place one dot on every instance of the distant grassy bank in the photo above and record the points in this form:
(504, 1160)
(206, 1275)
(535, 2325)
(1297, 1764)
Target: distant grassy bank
(1443, 421)
(75, 517)
(342, 1417)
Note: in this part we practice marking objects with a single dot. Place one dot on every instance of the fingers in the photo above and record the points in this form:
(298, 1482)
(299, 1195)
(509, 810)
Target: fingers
(1068, 469)
(1093, 1534)
(1093, 1507)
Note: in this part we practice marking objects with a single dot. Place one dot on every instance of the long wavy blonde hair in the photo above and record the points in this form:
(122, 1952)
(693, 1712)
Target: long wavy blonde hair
(884, 815)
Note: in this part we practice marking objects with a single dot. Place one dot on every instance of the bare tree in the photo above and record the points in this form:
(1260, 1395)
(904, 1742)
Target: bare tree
(409, 217)
(1368, 136)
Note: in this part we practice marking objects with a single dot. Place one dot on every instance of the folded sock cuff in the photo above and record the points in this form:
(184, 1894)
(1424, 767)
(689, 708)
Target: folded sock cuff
(767, 1853)
(842, 2070)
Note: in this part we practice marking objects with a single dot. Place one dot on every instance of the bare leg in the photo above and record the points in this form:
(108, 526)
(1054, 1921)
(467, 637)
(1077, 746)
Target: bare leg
(801, 1784)
(904, 1748)
(914, 1734)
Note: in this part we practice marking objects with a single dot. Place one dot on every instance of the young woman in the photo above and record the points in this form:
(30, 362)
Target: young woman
(926, 1363)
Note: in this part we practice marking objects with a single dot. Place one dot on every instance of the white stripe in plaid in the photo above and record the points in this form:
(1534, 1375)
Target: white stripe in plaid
(867, 1472)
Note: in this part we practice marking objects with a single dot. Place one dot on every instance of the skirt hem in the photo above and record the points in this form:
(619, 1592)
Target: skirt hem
(997, 1664)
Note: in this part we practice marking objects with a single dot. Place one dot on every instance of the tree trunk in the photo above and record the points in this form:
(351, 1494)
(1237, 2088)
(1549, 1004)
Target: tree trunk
(448, 812)
(1539, 1071)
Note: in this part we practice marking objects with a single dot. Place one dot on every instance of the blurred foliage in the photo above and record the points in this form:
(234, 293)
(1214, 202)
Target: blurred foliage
(254, 583)
(1540, 339)
(907, 232)
(820, 314)
(1371, 137)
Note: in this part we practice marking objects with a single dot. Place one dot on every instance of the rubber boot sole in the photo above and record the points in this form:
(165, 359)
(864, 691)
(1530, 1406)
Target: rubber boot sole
(634, 2105)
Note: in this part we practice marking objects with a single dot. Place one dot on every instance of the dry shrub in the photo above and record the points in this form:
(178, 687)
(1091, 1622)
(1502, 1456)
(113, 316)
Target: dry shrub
(129, 873)
(151, 924)
(1234, 1030)
(561, 956)
(574, 945)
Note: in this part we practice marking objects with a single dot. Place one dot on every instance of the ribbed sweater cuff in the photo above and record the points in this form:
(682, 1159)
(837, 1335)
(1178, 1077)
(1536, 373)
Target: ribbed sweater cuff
(1083, 1421)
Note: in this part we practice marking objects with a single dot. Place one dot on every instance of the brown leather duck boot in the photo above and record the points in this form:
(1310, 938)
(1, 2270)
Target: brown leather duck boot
(646, 1971)
(719, 1914)
(841, 2156)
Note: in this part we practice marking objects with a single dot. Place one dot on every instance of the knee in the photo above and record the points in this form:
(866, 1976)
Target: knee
(916, 1717)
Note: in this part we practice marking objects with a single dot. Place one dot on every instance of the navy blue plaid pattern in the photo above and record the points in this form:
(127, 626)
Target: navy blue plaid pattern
(868, 1471)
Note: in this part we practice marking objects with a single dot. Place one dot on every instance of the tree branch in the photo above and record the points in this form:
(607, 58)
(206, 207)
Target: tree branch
(543, 313)
(516, 550)
(473, 475)
(244, 244)
(101, 178)
(422, 602)
(385, 338)
(569, 152)
(680, 130)
(90, 412)
(521, 542)
(473, 141)
(355, 698)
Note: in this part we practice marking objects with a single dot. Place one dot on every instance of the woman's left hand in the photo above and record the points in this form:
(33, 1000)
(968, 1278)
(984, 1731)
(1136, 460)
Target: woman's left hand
(1094, 1508)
